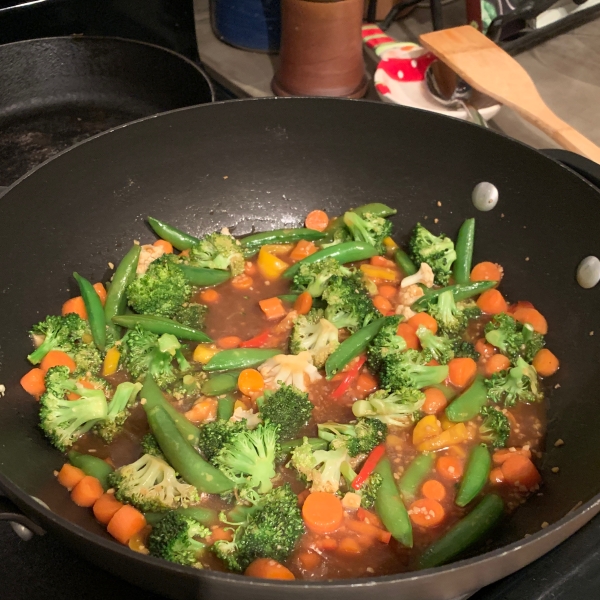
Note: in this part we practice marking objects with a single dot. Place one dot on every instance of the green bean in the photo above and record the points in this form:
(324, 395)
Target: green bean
(414, 475)
(476, 475)
(344, 253)
(390, 507)
(469, 403)
(203, 277)
(291, 298)
(94, 309)
(116, 296)
(153, 396)
(279, 236)
(351, 347)
(179, 239)
(160, 325)
(225, 407)
(91, 465)
(219, 384)
(206, 516)
(404, 261)
(240, 358)
(182, 457)
(315, 443)
(465, 533)
(460, 292)
(464, 252)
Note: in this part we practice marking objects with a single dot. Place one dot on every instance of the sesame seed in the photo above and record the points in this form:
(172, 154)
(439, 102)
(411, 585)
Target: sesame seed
(502, 216)
(111, 265)
(143, 401)
(439, 203)
(370, 570)
(527, 258)
(559, 442)
(591, 333)
(136, 242)
(555, 469)
(557, 386)
(55, 473)
(436, 220)
(545, 524)
(225, 176)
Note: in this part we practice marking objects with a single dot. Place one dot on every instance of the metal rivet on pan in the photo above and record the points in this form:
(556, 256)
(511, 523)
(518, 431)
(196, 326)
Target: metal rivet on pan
(588, 272)
(22, 531)
(485, 196)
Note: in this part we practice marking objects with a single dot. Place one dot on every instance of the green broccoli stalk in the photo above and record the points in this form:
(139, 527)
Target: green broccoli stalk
(214, 435)
(495, 428)
(270, 530)
(369, 488)
(512, 338)
(248, 459)
(437, 251)
(450, 318)
(287, 407)
(173, 539)
(150, 446)
(369, 229)
(64, 421)
(151, 485)
(464, 349)
(441, 348)
(348, 302)
(313, 277)
(408, 370)
(386, 342)
(118, 410)
(58, 333)
(400, 408)
(358, 438)
(314, 334)
(519, 384)
(218, 251)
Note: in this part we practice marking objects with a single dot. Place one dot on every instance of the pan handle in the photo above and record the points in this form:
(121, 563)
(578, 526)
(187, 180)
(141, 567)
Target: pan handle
(24, 527)
(585, 167)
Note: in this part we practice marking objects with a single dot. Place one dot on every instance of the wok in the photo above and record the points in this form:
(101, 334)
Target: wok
(261, 164)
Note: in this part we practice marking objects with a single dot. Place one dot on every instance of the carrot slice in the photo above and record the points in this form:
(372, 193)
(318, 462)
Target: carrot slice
(518, 470)
(302, 249)
(69, 476)
(382, 304)
(229, 342)
(250, 381)
(423, 319)
(101, 291)
(434, 490)
(532, 316)
(426, 512)
(449, 467)
(496, 363)
(485, 350)
(106, 507)
(203, 411)
(369, 517)
(87, 491)
(545, 363)
(250, 268)
(303, 303)
(126, 522)
(310, 560)
(323, 512)
(33, 382)
(492, 302)
(461, 371)
(486, 271)
(317, 220)
(410, 337)
(381, 261)
(209, 296)
(496, 476)
(56, 358)
(272, 307)
(267, 568)
(167, 247)
(242, 282)
(349, 546)
(74, 305)
(366, 383)
(501, 456)
(435, 401)
(387, 291)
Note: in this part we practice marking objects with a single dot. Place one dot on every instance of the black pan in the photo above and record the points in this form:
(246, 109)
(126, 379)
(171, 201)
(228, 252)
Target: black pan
(55, 92)
(261, 164)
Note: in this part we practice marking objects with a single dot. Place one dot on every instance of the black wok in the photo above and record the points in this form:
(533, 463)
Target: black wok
(262, 164)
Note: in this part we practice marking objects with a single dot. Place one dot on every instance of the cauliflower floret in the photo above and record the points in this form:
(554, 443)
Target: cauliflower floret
(289, 369)
(351, 501)
(424, 275)
(148, 255)
(252, 419)
(406, 297)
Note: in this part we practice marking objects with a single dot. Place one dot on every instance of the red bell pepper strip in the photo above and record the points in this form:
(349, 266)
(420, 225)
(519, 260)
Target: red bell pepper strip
(349, 377)
(258, 341)
(369, 466)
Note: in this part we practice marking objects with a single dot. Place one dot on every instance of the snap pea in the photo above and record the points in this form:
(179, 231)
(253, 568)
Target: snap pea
(414, 475)
(315, 443)
(291, 298)
(179, 239)
(203, 277)
(460, 292)
(116, 296)
(225, 407)
(352, 347)
(465, 533)
(94, 309)
(377, 209)
(240, 358)
(449, 392)
(464, 252)
(160, 325)
(279, 236)
(343, 253)
(153, 396)
(469, 403)
(390, 507)
(206, 516)
(476, 475)
(91, 465)
(219, 384)
(182, 457)
(404, 261)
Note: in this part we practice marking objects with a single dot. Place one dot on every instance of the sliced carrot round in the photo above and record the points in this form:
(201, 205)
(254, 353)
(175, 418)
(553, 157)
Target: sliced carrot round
(435, 401)
(56, 358)
(449, 467)
(87, 491)
(242, 282)
(165, 246)
(267, 568)
(461, 371)
(126, 522)
(545, 363)
(486, 271)
(209, 296)
(317, 220)
(426, 512)
(101, 291)
(33, 382)
(518, 470)
(492, 302)
(496, 363)
(387, 291)
(485, 350)
(425, 320)
(409, 335)
(69, 476)
(434, 490)
(323, 512)
(303, 303)
(229, 342)
(382, 304)
(250, 381)
(75, 305)
(532, 316)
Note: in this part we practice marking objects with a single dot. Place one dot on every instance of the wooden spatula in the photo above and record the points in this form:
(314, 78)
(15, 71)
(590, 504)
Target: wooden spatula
(489, 69)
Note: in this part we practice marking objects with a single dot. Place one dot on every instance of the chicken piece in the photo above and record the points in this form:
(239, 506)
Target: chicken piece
(148, 255)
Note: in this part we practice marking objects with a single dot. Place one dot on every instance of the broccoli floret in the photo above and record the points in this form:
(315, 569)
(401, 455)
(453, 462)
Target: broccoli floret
(151, 485)
(519, 384)
(162, 290)
(191, 314)
(386, 342)
(369, 488)
(439, 347)
(358, 438)
(87, 358)
(348, 302)
(214, 435)
(118, 410)
(287, 407)
(248, 459)
(173, 539)
(150, 446)
(270, 530)
(59, 333)
(314, 334)
(189, 385)
(64, 421)
(369, 229)
(400, 408)
(336, 233)
(408, 370)
(313, 277)
(450, 318)
(469, 309)
(218, 251)
(512, 338)
(495, 428)
(437, 251)
(533, 342)
(464, 349)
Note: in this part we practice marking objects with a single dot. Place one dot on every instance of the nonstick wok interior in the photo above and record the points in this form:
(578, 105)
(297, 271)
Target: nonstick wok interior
(262, 164)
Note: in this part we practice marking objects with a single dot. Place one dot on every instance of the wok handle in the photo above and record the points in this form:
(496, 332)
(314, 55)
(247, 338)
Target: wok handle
(585, 167)
(10, 512)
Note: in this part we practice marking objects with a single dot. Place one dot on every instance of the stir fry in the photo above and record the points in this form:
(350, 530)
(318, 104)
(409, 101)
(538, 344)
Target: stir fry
(309, 403)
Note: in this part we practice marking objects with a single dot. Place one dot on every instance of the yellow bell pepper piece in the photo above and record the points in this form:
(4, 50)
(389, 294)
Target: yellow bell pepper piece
(269, 265)
(457, 434)
(446, 422)
(240, 404)
(384, 273)
(389, 243)
(426, 428)
(204, 352)
(111, 362)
